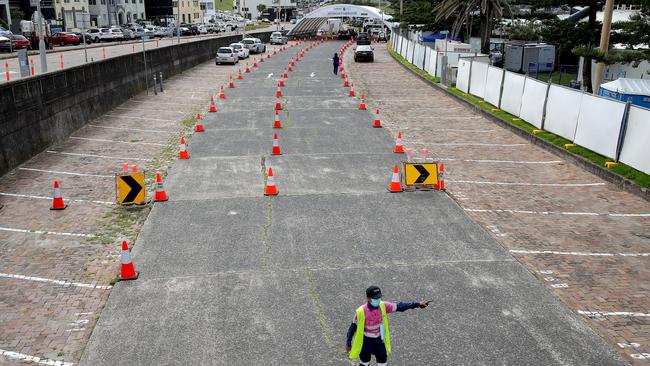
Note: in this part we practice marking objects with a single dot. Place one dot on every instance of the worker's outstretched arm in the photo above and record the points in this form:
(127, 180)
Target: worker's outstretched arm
(403, 306)
(351, 330)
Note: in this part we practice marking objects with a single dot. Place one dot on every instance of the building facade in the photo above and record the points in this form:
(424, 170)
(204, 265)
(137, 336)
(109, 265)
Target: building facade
(72, 14)
(249, 8)
(190, 11)
(106, 13)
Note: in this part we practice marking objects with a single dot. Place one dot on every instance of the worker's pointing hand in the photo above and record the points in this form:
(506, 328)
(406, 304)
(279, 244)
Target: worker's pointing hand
(424, 304)
(348, 349)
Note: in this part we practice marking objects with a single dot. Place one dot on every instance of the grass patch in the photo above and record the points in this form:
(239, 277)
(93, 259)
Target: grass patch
(256, 26)
(411, 66)
(558, 78)
(225, 5)
(628, 172)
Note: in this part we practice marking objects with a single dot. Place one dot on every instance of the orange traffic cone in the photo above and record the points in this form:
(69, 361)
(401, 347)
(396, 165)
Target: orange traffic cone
(278, 106)
(240, 76)
(134, 168)
(231, 85)
(441, 177)
(198, 127)
(395, 185)
(362, 105)
(222, 94)
(346, 83)
(57, 201)
(183, 154)
(254, 63)
(125, 167)
(352, 90)
(276, 145)
(213, 108)
(275, 52)
(281, 83)
(128, 271)
(268, 55)
(278, 94)
(247, 69)
(399, 149)
(289, 68)
(270, 189)
(276, 123)
(377, 120)
(161, 195)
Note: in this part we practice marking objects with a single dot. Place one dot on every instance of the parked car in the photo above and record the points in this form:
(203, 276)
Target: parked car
(226, 55)
(292, 20)
(88, 37)
(14, 42)
(241, 51)
(254, 45)
(110, 34)
(63, 38)
(95, 34)
(126, 33)
(162, 32)
(278, 38)
(364, 52)
(249, 22)
(344, 35)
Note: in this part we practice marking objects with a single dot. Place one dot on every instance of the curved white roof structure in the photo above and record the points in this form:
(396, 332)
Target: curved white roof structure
(314, 20)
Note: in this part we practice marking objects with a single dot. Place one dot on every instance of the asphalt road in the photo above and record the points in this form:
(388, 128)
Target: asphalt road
(76, 55)
(231, 277)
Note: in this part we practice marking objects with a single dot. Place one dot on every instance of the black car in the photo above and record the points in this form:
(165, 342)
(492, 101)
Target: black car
(363, 38)
(344, 35)
(364, 53)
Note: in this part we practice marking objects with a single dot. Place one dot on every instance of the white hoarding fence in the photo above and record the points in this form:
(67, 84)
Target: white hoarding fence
(562, 111)
(599, 124)
(478, 78)
(635, 151)
(532, 102)
(462, 78)
(493, 85)
(513, 89)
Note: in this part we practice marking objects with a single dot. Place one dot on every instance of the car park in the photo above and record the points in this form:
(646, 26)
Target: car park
(226, 55)
(278, 38)
(364, 52)
(63, 38)
(241, 51)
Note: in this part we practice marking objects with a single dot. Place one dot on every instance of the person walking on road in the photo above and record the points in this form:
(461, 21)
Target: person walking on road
(369, 334)
(335, 61)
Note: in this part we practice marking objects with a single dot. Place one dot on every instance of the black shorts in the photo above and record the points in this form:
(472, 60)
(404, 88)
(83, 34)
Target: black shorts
(373, 346)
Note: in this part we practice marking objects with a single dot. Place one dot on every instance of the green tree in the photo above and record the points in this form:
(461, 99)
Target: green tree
(261, 8)
(461, 11)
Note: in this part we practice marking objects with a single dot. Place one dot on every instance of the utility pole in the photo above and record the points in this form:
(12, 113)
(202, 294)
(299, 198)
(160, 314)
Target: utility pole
(178, 21)
(604, 43)
(401, 10)
(41, 40)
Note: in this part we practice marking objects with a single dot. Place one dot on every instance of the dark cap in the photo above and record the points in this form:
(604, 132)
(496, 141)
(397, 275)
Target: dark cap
(373, 292)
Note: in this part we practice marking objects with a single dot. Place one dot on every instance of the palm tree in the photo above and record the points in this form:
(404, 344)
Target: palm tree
(488, 11)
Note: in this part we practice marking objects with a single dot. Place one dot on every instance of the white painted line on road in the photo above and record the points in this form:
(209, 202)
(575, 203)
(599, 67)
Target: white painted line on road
(66, 173)
(27, 358)
(559, 285)
(614, 313)
(528, 184)
(97, 156)
(531, 212)
(468, 144)
(581, 254)
(503, 161)
(56, 282)
(145, 118)
(49, 198)
(45, 232)
(118, 142)
(458, 130)
(128, 129)
(155, 110)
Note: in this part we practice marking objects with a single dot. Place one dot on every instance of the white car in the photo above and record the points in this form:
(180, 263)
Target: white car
(254, 45)
(226, 55)
(278, 38)
(241, 51)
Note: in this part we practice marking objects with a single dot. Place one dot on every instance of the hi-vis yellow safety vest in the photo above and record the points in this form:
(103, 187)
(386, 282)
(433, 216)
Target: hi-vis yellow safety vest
(357, 341)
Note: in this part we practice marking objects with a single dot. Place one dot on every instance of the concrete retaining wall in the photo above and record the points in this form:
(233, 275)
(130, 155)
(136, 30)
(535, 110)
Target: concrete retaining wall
(43, 110)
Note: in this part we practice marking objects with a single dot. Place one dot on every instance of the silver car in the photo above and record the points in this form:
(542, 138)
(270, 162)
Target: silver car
(278, 38)
(226, 55)
(254, 45)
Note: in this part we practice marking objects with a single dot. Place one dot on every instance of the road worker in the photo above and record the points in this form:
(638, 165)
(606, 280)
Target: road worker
(373, 336)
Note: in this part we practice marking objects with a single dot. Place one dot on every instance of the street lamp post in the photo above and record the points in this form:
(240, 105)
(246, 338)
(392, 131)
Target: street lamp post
(178, 21)
(41, 40)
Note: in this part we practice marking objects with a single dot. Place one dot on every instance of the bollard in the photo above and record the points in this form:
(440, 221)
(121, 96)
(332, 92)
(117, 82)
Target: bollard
(155, 90)
(157, 44)
(32, 63)
(408, 155)
(7, 71)
(424, 153)
(133, 49)
(161, 81)
(104, 53)
(61, 57)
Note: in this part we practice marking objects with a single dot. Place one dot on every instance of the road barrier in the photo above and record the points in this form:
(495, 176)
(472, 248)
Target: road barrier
(608, 127)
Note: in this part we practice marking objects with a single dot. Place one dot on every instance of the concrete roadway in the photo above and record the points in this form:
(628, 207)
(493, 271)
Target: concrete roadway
(75, 55)
(230, 277)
